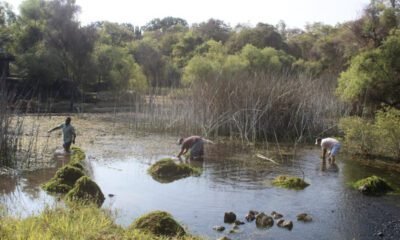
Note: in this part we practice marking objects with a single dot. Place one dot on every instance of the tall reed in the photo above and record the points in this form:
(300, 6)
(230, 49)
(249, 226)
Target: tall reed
(250, 107)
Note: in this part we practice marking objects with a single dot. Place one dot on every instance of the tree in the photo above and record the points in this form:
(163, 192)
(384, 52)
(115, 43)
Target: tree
(213, 29)
(148, 56)
(373, 76)
(263, 35)
(165, 24)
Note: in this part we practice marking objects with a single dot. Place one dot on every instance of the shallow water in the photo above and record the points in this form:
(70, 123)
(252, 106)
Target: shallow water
(232, 180)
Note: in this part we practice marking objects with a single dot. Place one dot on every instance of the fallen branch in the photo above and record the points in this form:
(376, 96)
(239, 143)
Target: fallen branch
(266, 158)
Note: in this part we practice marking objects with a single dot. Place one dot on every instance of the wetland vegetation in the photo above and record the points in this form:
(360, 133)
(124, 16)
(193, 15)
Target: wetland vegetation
(262, 93)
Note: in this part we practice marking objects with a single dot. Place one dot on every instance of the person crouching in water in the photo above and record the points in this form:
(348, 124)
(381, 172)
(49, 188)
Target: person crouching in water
(195, 144)
(330, 145)
(68, 134)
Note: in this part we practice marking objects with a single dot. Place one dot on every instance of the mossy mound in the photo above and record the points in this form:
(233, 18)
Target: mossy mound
(64, 179)
(166, 170)
(373, 186)
(159, 223)
(290, 182)
(86, 191)
(78, 155)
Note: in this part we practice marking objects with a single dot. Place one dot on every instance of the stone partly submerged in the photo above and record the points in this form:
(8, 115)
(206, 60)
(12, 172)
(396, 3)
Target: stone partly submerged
(64, 179)
(290, 182)
(166, 171)
(373, 186)
(73, 181)
(86, 191)
(159, 223)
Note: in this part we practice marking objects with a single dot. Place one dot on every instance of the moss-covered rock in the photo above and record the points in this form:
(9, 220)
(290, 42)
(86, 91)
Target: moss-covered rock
(290, 182)
(77, 156)
(86, 191)
(64, 179)
(166, 170)
(373, 186)
(159, 223)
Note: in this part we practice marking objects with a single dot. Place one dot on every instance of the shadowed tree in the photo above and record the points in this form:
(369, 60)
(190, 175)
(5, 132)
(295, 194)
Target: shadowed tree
(213, 29)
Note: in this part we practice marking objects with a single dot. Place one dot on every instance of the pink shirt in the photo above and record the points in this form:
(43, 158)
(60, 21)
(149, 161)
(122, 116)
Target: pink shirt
(328, 143)
(188, 142)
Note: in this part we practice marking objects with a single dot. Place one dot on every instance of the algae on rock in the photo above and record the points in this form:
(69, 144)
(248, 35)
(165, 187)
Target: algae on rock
(166, 170)
(159, 223)
(373, 186)
(86, 191)
(290, 182)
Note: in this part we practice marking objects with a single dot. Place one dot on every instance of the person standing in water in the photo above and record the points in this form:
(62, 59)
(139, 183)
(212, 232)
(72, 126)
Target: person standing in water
(330, 145)
(193, 143)
(68, 134)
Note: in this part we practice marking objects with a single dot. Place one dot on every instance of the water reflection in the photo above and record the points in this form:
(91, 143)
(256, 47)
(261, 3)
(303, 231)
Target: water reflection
(233, 179)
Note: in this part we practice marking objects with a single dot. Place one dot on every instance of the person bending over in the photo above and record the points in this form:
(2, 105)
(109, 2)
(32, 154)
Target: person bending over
(193, 143)
(330, 146)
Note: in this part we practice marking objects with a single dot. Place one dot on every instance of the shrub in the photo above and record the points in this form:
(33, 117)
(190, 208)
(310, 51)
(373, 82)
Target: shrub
(380, 137)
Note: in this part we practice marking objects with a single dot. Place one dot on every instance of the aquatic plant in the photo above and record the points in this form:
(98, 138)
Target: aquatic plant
(86, 191)
(290, 182)
(166, 170)
(373, 186)
(159, 223)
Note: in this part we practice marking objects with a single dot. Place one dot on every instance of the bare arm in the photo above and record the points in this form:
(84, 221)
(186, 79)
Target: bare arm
(56, 128)
(183, 151)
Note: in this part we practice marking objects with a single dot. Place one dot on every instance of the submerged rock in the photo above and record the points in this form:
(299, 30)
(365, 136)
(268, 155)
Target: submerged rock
(86, 191)
(263, 220)
(64, 179)
(251, 216)
(224, 238)
(219, 228)
(276, 215)
(373, 186)
(304, 217)
(229, 217)
(290, 182)
(159, 223)
(285, 224)
(166, 170)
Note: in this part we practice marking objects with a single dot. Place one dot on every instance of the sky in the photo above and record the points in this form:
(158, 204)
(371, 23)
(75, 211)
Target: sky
(295, 13)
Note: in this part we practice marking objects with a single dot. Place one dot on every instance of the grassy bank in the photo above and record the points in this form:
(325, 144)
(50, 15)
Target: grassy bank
(76, 222)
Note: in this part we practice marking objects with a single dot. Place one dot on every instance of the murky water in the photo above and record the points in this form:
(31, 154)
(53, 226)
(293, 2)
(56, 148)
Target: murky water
(232, 180)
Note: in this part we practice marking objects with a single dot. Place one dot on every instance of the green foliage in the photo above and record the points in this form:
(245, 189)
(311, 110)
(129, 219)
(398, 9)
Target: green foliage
(373, 186)
(263, 35)
(373, 75)
(267, 59)
(359, 135)
(159, 223)
(380, 137)
(290, 182)
(118, 70)
(75, 222)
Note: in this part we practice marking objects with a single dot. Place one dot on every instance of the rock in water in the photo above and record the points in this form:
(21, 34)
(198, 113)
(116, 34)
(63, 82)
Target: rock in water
(229, 217)
(263, 220)
(86, 191)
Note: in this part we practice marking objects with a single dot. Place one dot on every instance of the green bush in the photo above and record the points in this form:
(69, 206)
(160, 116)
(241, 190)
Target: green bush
(380, 137)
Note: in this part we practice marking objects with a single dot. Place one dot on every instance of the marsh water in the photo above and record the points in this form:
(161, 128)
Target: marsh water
(232, 179)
